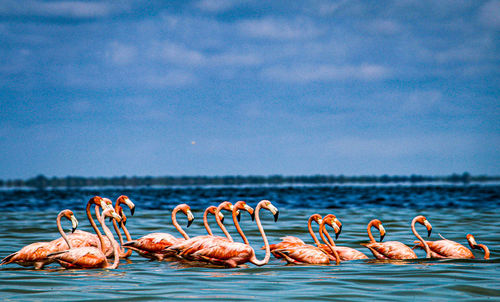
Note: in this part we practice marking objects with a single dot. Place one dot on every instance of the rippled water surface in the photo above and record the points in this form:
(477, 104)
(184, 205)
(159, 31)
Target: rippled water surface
(29, 216)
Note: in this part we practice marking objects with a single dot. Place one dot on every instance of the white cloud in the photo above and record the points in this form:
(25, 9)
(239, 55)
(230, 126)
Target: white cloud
(311, 73)
(279, 29)
(179, 54)
(385, 27)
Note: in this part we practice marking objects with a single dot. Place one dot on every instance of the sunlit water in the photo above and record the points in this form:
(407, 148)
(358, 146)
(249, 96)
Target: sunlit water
(453, 211)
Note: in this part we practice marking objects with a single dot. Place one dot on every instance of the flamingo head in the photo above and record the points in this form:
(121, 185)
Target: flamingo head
(111, 214)
(106, 203)
(378, 224)
(471, 240)
(266, 204)
(332, 221)
(97, 200)
(124, 199)
(213, 210)
(241, 205)
(74, 222)
(187, 211)
(316, 218)
(422, 220)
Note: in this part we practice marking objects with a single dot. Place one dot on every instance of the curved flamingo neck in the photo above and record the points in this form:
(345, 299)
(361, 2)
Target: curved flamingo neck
(116, 252)
(309, 228)
(369, 230)
(205, 221)
(254, 259)
(238, 228)
(485, 249)
(96, 229)
(329, 242)
(92, 223)
(176, 225)
(323, 232)
(220, 224)
(129, 238)
(426, 246)
(61, 231)
(119, 234)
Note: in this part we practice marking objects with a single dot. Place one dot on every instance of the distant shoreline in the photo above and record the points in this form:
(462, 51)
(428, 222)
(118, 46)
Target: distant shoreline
(42, 181)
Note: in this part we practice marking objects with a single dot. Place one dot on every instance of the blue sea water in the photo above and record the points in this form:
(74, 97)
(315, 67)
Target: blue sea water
(453, 210)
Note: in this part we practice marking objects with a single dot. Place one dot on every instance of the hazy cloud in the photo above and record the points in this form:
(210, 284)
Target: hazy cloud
(311, 73)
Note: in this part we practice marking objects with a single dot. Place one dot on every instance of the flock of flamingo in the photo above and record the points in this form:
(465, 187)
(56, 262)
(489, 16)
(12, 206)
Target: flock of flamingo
(84, 250)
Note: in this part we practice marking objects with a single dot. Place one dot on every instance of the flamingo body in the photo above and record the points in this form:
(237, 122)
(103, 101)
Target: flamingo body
(345, 253)
(304, 254)
(390, 250)
(34, 254)
(448, 249)
(81, 257)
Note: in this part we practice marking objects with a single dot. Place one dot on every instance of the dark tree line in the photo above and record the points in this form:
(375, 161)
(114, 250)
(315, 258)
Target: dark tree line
(42, 181)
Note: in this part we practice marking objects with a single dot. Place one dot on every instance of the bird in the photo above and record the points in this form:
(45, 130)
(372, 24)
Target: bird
(83, 238)
(90, 257)
(345, 253)
(35, 254)
(292, 241)
(295, 253)
(232, 254)
(473, 244)
(119, 210)
(154, 245)
(184, 249)
(394, 249)
(445, 248)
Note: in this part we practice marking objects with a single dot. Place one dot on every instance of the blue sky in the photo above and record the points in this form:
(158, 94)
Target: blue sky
(220, 87)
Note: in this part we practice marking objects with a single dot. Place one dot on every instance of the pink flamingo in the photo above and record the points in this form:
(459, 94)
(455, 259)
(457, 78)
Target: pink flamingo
(345, 253)
(82, 238)
(185, 249)
(36, 253)
(90, 257)
(473, 244)
(449, 249)
(292, 241)
(296, 253)
(119, 210)
(154, 245)
(395, 249)
(232, 254)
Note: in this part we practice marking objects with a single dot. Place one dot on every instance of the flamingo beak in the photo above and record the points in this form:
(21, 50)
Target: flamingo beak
(238, 215)
(250, 210)
(382, 232)
(222, 220)
(221, 216)
(74, 223)
(429, 227)
(124, 221)
(274, 210)
(131, 205)
(190, 217)
(472, 241)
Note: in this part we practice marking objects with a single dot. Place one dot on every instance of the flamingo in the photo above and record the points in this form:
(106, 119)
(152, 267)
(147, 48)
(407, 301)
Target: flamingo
(232, 254)
(296, 253)
(292, 241)
(473, 244)
(395, 249)
(345, 253)
(36, 253)
(153, 245)
(119, 210)
(91, 257)
(448, 249)
(82, 238)
(186, 248)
